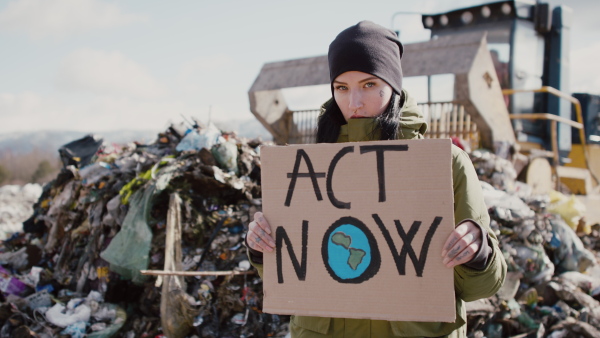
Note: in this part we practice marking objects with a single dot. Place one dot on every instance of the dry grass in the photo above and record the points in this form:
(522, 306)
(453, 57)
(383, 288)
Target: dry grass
(21, 167)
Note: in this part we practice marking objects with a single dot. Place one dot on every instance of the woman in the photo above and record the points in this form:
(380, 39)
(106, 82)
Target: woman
(369, 103)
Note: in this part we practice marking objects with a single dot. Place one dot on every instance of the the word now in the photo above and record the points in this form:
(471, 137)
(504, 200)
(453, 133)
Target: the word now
(399, 256)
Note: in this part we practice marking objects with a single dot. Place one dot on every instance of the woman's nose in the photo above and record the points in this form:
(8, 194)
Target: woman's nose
(355, 100)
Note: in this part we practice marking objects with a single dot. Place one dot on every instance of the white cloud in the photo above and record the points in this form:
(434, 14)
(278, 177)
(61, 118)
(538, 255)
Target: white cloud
(585, 69)
(211, 80)
(198, 77)
(59, 18)
(109, 73)
(110, 113)
(201, 66)
(28, 111)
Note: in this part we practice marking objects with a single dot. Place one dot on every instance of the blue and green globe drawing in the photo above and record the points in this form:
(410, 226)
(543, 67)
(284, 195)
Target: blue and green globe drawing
(350, 251)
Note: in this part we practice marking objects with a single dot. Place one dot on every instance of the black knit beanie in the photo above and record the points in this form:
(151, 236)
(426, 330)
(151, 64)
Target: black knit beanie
(369, 48)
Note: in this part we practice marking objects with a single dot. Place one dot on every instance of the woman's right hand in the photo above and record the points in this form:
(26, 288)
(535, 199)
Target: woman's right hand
(259, 234)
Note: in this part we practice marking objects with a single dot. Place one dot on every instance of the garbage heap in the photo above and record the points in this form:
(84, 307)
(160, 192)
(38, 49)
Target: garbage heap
(16, 206)
(553, 284)
(181, 203)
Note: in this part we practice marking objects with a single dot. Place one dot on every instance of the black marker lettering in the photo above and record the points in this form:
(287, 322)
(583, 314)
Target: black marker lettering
(299, 268)
(400, 259)
(334, 201)
(379, 150)
(294, 176)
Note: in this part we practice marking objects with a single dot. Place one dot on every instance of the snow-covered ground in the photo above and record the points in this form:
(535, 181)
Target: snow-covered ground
(16, 206)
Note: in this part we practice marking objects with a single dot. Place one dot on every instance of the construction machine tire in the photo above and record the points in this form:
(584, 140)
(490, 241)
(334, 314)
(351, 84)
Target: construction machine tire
(538, 175)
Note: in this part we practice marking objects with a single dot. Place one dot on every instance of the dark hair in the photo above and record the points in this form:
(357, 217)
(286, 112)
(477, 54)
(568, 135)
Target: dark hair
(330, 121)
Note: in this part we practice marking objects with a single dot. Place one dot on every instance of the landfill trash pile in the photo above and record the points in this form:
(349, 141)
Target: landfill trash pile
(16, 205)
(181, 203)
(553, 283)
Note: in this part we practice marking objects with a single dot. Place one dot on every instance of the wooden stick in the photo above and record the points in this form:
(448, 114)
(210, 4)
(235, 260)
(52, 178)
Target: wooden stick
(461, 126)
(454, 120)
(195, 273)
(444, 108)
(429, 113)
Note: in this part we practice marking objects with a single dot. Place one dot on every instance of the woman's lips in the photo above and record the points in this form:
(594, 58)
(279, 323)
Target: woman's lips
(356, 116)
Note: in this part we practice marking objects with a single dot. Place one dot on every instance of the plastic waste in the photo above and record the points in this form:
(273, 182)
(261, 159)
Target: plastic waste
(92, 173)
(494, 331)
(75, 330)
(587, 283)
(128, 252)
(239, 319)
(39, 299)
(119, 319)
(510, 287)
(33, 277)
(533, 262)
(501, 199)
(195, 140)
(570, 294)
(529, 297)
(569, 208)
(226, 154)
(61, 316)
(17, 259)
(80, 152)
(525, 319)
(75, 221)
(9, 284)
(570, 253)
(496, 170)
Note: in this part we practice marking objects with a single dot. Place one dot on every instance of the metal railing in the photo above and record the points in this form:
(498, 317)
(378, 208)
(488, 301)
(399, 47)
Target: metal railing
(554, 120)
(449, 119)
(303, 126)
(445, 120)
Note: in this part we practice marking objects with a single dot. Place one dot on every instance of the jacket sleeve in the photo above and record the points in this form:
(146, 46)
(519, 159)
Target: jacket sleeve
(471, 284)
(255, 258)
(259, 267)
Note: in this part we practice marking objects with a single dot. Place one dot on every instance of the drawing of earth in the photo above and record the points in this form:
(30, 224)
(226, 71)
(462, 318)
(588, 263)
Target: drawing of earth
(349, 251)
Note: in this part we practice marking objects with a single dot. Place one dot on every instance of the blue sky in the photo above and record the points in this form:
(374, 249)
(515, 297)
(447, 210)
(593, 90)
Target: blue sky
(95, 65)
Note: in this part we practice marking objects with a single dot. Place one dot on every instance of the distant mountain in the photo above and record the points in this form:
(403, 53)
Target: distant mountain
(50, 141)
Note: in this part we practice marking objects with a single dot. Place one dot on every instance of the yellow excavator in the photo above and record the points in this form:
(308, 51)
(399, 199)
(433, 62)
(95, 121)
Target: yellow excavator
(507, 64)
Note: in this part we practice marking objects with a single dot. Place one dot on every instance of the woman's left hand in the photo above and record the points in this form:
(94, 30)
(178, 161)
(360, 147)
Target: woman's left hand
(462, 244)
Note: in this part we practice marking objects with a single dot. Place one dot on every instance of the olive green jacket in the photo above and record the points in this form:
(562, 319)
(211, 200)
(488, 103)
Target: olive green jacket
(469, 284)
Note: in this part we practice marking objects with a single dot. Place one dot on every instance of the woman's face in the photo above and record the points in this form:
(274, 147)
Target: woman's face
(361, 95)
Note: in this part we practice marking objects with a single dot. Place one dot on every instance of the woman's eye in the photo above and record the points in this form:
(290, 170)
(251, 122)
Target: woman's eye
(341, 88)
(370, 84)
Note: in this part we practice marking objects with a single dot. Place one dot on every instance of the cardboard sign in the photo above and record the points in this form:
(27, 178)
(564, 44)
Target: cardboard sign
(359, 230)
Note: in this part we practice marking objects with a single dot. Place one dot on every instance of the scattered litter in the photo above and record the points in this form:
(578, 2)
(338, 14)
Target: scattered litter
(183, 203)
(74, 267)
(16, 206)
(553, 282)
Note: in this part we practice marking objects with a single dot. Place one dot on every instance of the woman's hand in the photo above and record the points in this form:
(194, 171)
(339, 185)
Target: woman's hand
(462, 244)
(259, 234)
